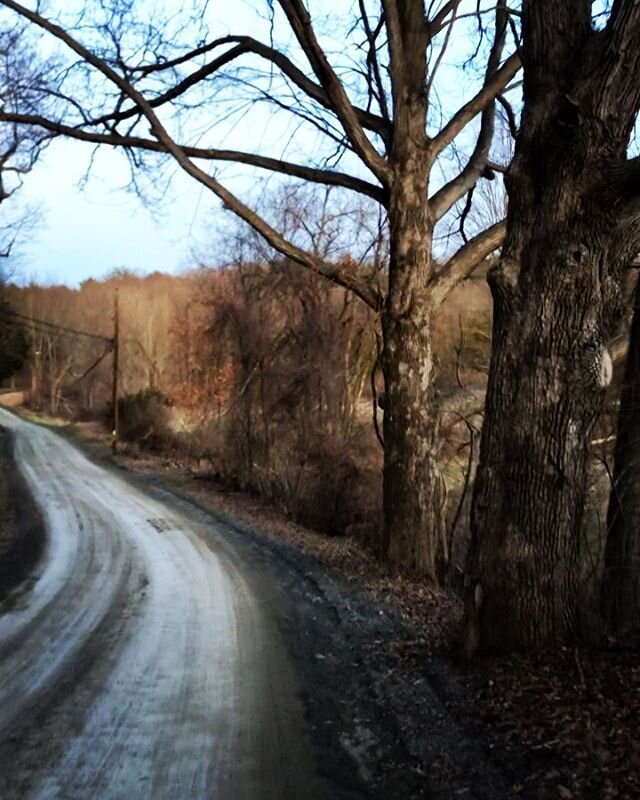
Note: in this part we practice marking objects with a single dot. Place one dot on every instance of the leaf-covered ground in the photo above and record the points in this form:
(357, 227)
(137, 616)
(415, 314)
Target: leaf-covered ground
(568, 719)
(564, 723)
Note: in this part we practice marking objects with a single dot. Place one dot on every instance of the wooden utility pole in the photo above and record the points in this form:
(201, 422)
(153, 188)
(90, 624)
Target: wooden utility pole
(114, 385)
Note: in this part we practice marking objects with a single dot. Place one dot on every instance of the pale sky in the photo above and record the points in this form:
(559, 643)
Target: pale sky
(89, 228)
(88, 231)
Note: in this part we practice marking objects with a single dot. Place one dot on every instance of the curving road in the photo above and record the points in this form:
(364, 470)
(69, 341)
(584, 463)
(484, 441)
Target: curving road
(141, 663)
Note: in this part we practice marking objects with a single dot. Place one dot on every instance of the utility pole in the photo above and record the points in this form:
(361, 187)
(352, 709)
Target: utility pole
(114, 385)
(35, 367)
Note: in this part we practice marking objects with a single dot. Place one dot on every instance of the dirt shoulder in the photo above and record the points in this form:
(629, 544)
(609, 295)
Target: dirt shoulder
(382, 680)
(435, 613)
(22, 537)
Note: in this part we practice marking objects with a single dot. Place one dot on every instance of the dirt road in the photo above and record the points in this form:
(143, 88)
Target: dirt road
(141, 662)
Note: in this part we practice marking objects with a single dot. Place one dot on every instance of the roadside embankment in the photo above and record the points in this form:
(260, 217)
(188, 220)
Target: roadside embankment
(21, 530)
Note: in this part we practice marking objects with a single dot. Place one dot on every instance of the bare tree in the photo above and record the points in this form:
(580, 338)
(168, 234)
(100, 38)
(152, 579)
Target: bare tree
(20, 148)
(572, 227)
(383, 133)
(22, 76)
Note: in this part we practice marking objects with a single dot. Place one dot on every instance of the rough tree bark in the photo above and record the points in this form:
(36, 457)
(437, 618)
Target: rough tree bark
(621, 577)
(412, 481)
(556, 293)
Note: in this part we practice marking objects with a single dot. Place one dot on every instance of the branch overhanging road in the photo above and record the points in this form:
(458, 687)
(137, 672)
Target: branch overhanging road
(140, 664)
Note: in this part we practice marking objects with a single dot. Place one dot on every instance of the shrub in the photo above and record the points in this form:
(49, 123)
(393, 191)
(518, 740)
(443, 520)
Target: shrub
(143, 416)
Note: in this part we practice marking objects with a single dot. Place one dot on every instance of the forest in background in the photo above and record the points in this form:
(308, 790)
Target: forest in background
(268, 379)
(265, 376)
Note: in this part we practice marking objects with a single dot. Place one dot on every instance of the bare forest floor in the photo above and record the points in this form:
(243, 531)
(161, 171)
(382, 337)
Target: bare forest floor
(557, 725)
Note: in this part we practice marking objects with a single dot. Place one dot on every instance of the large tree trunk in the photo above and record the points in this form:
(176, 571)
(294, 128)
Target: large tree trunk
(556, 296)
(549, 368)
(413, 489)
(621, 578)
(413, 502)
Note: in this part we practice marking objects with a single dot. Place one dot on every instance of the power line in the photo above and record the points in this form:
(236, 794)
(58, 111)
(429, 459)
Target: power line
(103, 355)
(34, 327)
(30, 327)
(52, 327)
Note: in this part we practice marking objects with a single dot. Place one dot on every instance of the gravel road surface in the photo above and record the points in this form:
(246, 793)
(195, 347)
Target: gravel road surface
(140, 662)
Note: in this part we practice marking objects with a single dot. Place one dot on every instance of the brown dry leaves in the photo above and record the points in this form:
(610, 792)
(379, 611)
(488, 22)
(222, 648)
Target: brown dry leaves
(575, 738)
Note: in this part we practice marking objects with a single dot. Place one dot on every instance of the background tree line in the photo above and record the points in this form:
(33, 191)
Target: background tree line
(256, 372)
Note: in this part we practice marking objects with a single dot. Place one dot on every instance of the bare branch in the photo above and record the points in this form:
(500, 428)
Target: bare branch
(244, 45)
(510, 115)
(453, 8)
(396, 50)
(495, 167)
(373, 63)
(321, 176)
(436, 24)
(332, 272)
(462, 264)
(301, 25)
(485, 97)
(449, 194)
